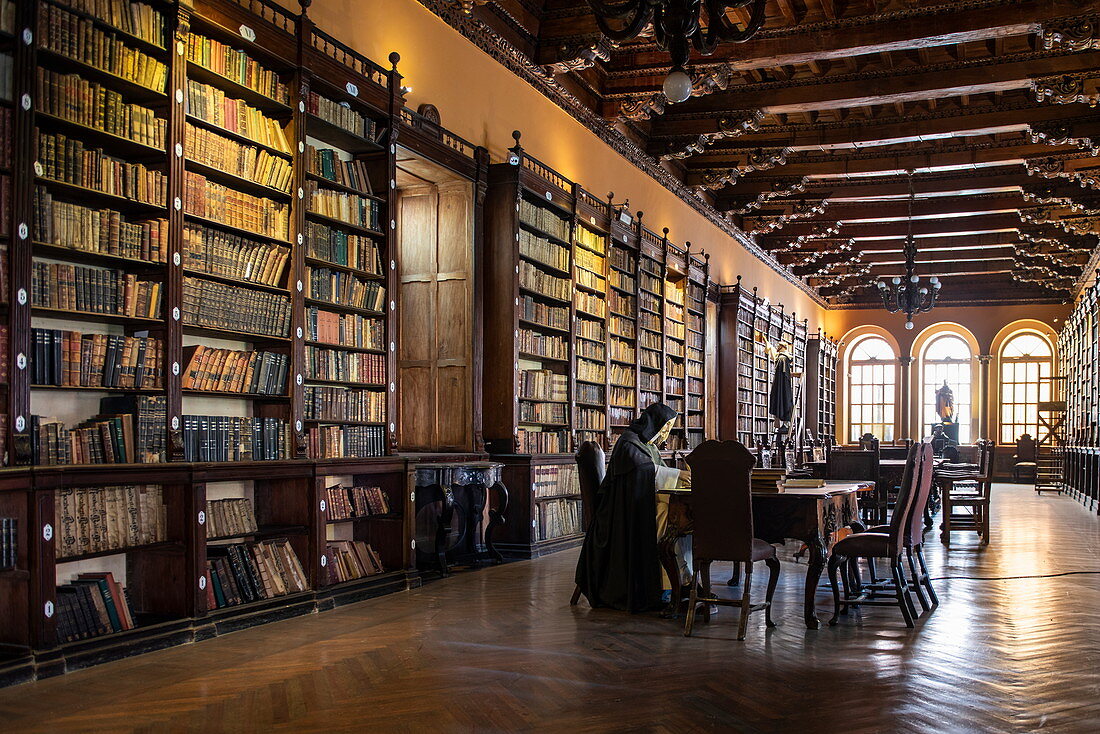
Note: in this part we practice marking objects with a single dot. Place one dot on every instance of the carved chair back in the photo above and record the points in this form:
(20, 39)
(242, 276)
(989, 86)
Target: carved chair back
(721, 498)
(591, 467)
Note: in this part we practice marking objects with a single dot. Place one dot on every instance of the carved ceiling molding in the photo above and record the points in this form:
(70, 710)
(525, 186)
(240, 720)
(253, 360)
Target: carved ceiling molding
(781, 188)
(1078, 225)
(1087, 273)
(482, 36)
(729, 126)
(826, 233)
(800, 210)
(1065, 89)
(1055, 168)
(1051, 195)
(580, 56)
(1074, 34)
(716, 178)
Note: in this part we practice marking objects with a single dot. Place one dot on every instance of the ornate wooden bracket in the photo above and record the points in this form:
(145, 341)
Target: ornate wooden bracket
(1074, 34)
(1066, 89)
(729, 126)
(1049, 194)
(1053, 168)
(1058, 133)
(800, 210)
(763, 159)
(826, 233)
(637, 109)
(580, 56)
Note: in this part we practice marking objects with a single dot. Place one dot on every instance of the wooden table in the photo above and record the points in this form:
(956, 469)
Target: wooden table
(809, 515)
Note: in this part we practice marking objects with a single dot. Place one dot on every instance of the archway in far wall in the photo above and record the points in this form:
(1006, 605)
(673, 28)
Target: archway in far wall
(948, 352)
(869, 385)
(1026, 356)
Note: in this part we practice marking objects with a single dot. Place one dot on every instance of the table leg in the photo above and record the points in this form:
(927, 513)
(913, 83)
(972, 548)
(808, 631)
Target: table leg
(816, 553)
(442, 530)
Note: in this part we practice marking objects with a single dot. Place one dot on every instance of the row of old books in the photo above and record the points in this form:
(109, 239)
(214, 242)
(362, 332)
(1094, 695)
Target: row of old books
(590, 371)
(220, 306)
(336, 365)
(229, 517)
(234, 438)
(236, 66)
(621, 303)
(333, 442)
(218, 203)
(543, 218)
(589, 349)
(588, 329)
(349, 208)
(543, 283)
(588, 279)
(91, 605)
(592, 240)
(326, 163)
(590, 418)
(209, 250)
(341, 115)
(66, 160)
(622, 351)
(345, 289)
(591, 394)
(73, 359)
(342, 248)
(552, 413)
(235, 371)
(246, 572)
(543, 385)
(551, 480)
(557, 518)
(543, 345)
(245, 161)
(79, 39)
(99, 440)
(212, 106)
(102, 231)
(589, 303)
(542, 250)
(555, 317)
(345, 329)
(98, 519)
(590, 261)
(334, 403)
(138, 19)
(94, 290)
(622, 396)
(9, 542)
(542, 442)
(618, 416)
(351, 559)
(346, 503)
(622, 375)
(92, 105)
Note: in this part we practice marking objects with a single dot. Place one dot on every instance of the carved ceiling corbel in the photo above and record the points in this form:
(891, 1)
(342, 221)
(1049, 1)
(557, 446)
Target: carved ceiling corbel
(469, 5)
(1049, 194)
(580, 56)
(781, 188)
(713, 179)
(764, 159)
(826, 233)
(1053, 168)
(1059, 133)
(638, 109)
(800, 210)
(1076, 225)
(1065, 90)
(1073, 34)
(729, 126)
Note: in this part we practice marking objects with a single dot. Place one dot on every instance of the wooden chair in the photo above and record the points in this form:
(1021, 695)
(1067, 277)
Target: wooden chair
(913, 542)
(1025, 458)
(888, 545)
(591, 466)
(967, 489)
(721, 499)
(861, 465)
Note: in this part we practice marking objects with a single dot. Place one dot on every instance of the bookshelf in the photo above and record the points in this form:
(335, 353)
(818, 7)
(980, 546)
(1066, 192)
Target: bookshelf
(745, 368)
(1078, 345)
(214, 321)
(821, 376)
(593, 316)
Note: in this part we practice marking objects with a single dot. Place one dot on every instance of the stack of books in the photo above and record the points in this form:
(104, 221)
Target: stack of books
(768, 480)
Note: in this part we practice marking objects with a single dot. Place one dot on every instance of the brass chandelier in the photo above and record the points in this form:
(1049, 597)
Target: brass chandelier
(908, 295)
(677, 27)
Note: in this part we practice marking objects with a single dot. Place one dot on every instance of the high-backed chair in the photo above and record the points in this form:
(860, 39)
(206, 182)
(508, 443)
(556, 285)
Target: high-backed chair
(966, 493)
(721, 503)
(1024, 460)
(888, 545)
(591, 466)
(860, 465)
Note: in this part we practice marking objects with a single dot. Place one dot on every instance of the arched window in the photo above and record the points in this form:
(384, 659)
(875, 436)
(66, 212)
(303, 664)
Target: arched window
(1026, 363)
(946, 358)
(871, 389)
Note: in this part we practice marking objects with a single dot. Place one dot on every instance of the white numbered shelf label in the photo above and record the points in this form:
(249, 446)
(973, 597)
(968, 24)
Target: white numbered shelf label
(48, 609)
(298, 378)
(176, 313)
(247, 33)
(202, 517)
(297, 425)
(299, 332)
(24, 231)
(175, 368)
(324, 505)
(412, 496)
(549, 196)
(352, 89)
(202, 583)
(47, 532)
(21, 361)
(176, 260)
(20, 423)
(28, 37)
(412, 544)
(324, 561)
(175, 423)
(21, 296)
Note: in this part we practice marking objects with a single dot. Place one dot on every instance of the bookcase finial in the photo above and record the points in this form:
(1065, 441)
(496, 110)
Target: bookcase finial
(394, 58)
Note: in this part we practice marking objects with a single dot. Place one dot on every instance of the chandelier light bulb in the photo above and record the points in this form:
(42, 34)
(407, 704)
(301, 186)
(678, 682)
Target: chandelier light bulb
(677, 86)
(881, 286)
(924, 291)
(909, 325)
(896, 281)
(914, 278)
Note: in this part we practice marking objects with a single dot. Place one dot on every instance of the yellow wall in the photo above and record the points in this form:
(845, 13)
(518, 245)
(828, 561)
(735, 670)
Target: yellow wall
(483, 102)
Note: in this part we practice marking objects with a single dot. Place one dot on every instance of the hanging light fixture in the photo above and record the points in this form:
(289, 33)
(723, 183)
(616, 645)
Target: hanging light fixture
(677, 26)
(908, 295)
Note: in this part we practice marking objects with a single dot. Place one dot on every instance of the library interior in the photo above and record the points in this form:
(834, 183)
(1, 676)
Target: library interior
(453, 365)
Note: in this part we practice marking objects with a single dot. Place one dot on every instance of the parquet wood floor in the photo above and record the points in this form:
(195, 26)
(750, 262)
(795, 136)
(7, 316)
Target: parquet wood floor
(501, 650)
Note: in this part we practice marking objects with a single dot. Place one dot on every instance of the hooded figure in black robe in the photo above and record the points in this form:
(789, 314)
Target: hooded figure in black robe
(618, 566)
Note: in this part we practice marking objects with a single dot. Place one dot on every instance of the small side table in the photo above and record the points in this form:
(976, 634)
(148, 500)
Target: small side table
(458, 507)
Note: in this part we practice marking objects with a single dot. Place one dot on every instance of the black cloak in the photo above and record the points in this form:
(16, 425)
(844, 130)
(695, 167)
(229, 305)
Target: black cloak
(618, 566)
(781, 400)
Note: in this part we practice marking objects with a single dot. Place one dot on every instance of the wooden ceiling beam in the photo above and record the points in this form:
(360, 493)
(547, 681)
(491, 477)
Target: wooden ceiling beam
(978, 225)
(899, 210)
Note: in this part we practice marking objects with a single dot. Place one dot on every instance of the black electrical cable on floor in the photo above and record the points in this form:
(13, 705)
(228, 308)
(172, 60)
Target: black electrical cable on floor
(1013, 578)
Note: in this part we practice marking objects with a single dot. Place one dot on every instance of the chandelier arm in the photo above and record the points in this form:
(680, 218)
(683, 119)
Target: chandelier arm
(643, 13)
(721, 29)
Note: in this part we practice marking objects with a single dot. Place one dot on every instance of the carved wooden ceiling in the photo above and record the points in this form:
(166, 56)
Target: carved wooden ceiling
(802, 136)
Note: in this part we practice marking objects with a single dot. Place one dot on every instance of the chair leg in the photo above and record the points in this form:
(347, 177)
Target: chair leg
(773, 581)
(576, 596)
(872, 571)
(735, 579)
(746, 604)
(704, 571)
(902, 593)
(915, 578)
(926, 579)
(689, 620)
(835, 562)
(945, 516)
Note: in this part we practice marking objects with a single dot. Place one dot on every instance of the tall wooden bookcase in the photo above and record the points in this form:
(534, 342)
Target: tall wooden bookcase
(821, 375)
(745, 368)
(321, 128)
(589, 317)
(1078, 355)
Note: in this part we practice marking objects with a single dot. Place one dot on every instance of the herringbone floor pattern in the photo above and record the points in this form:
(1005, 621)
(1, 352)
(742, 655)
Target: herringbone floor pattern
(501, 650)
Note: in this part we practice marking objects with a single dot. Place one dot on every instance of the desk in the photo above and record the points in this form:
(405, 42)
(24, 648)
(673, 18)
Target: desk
(809, 515)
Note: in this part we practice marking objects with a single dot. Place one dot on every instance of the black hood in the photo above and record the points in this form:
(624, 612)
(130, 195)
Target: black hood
(652, 420)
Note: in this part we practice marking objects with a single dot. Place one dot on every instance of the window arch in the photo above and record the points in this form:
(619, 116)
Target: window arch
(946, 359)
(871, 389)
(1026, 361)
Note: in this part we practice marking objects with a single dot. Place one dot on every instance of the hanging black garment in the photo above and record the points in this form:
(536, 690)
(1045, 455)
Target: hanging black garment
(618, 566)
(781, 399)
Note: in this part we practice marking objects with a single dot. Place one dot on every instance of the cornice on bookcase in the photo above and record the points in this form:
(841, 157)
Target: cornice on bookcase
(485, 38)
